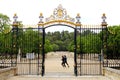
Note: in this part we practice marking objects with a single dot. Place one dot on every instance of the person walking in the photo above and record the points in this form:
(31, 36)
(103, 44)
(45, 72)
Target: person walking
(65, 61)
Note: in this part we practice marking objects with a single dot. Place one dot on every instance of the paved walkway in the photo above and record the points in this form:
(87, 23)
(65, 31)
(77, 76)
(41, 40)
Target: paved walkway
(59, 78)
(54, 71)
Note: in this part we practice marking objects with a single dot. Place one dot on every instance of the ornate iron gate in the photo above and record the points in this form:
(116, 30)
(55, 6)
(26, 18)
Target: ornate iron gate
(28, 46)
(29, 58)
(24, 47)
(89, 47)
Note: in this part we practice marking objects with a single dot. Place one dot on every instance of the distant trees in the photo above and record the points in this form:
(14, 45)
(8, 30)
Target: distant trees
(113, 42)
(60, 40)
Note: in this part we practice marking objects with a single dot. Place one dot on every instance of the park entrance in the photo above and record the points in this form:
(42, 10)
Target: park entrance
(88, 41)
(26, 49)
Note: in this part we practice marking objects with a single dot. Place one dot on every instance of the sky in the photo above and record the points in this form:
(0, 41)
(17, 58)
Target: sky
(90, 10)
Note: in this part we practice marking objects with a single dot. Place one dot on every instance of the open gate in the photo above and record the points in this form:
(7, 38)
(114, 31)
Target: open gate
(89, 50)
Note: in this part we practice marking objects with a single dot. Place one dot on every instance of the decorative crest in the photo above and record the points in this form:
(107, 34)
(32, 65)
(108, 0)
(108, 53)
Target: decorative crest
(60, 13)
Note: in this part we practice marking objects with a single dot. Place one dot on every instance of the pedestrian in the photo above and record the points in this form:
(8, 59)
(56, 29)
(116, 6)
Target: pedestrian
(65, 61)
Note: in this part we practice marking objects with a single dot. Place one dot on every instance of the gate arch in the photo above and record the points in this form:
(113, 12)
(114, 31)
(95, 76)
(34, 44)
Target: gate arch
(60, 17)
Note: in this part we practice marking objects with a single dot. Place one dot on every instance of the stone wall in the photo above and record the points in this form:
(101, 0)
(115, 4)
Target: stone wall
(113, 74)
(7, 72)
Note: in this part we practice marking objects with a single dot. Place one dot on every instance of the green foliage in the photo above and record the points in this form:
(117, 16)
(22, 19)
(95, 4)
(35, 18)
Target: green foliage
(88, 42)
(29, 41)
(5, 34)
(71, 46)
(60, 40)
(113, 42)
(48, 46)
(5, 43)
(55, 47)
(4, 23)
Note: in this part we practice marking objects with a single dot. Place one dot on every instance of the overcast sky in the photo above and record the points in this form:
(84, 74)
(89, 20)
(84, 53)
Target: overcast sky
(90, 10)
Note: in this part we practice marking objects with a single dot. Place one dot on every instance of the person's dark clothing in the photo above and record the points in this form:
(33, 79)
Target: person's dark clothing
(64, 61)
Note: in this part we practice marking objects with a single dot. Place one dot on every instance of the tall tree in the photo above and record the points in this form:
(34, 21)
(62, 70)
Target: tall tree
(114, 42)
(4, 23)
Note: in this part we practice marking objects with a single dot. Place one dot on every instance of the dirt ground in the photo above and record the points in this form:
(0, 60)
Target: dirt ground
(54, 70)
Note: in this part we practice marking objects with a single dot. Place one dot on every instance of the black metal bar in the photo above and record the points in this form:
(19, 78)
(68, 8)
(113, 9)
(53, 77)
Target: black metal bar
(101, 56)
(39, 47)
(43, 52)
(17, 48)
(80, 52)
(75, 51)
(102, 46)
(12, 44)
(106, 35)
(29, 66)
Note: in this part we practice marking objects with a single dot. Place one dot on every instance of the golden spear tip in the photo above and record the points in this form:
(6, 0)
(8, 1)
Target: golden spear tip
(41, 14)
(103, 14)
(78, 14)
(15, 14)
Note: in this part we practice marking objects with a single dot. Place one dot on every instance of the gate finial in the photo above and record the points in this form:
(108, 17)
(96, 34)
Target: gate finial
(41, 18)
(15, 17)
(78, 19)
(15, 22)
(104, 23)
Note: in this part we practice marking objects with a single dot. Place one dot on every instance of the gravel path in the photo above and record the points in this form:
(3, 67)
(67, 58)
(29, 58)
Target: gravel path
(54, 71)
(59, 78)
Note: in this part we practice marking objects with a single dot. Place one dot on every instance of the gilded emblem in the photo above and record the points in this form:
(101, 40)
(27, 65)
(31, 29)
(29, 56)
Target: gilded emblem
(60, 13)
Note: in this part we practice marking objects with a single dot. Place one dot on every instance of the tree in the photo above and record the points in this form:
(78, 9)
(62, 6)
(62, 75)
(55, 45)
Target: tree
(60, 39)
(5, 34)
(48, 46)
(4, 23)
(55, 47)
(113, 42)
